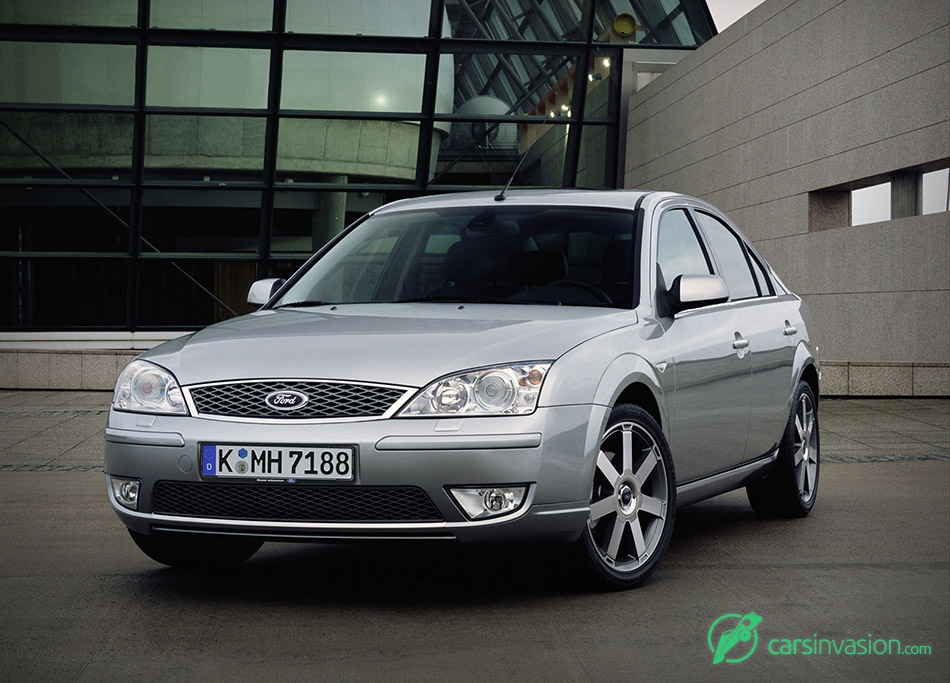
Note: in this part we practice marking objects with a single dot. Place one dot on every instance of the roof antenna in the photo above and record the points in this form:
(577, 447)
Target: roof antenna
(500, 197)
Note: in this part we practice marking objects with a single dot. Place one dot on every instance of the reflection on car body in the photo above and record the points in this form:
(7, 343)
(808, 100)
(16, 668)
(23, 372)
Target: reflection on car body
(545, 365)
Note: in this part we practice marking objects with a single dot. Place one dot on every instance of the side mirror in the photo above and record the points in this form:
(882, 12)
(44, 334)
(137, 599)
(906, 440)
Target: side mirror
(696, 291)
(262, 290)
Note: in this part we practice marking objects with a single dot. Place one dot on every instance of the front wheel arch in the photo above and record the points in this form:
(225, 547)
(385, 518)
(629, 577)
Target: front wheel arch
(632, 501)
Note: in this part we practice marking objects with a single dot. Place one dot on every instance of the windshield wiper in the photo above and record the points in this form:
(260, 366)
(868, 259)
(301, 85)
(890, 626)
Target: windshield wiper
(432, 297)
(445, 298)
(305, 304)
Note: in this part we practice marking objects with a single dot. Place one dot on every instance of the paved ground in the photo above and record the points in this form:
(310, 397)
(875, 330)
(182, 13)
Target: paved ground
(63, 431)
(78, 602)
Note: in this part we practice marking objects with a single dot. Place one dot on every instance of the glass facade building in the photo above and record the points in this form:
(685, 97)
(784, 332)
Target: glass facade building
(157, 156)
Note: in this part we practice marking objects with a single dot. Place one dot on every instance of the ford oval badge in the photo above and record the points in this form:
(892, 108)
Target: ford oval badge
(286, 400)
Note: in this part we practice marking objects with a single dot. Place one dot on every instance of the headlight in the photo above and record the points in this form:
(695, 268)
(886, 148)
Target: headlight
(503, 390)
(147, 388)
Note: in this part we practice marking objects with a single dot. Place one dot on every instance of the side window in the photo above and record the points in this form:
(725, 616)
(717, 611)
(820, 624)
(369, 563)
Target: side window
(765, 284)
(679, 251)
(731, 256)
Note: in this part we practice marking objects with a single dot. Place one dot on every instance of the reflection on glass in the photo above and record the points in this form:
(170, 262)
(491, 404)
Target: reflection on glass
(352, 81)
(81, 13)
(652, 22)
(90, 292)
(246, 15)
(67, 73)
(556, 20)
(169, 298)
(359, 17)
(63, 219)
(90, 145)
(597, 160)
(208, 221)
(204, 143)
(524, 84)
(207, 77)
(379, 149)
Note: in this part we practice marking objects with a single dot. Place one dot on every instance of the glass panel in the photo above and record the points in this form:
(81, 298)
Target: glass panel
(359, 17)
(62, 219)
(505, 253)
(170, 297)
(62, 293)
(667, 22)
(71, 12)
(338, 150)
(679, 251)
(245, 15)
(85, 145)
(652, 22)
(207, 77)
(597, 160)
(500, 84)
(211, 221)
(203, 144)
(731, 256)
(554, 20)
(352, 81)
(935, 188)
(761, 279)
(487, 153)
(871, 204)
(67, 73)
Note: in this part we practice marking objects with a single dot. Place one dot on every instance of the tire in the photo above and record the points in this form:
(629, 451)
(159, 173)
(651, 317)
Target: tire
(792, 487)
(632, 503)
(198, 552)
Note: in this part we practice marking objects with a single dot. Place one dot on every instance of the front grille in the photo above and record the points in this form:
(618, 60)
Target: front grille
(326, 399)
(295, 502)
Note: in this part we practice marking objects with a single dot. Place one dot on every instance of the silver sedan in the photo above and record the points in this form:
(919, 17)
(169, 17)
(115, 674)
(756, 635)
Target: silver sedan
(566, 366)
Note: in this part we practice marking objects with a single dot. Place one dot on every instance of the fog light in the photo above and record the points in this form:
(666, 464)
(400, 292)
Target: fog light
(126, 491)
(479, 503)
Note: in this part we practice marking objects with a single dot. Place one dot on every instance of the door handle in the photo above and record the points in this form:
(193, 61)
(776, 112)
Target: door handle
(740, 343)
(790, 329)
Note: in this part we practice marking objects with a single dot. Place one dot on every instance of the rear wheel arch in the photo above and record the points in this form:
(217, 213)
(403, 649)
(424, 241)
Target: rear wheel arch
(810, 376)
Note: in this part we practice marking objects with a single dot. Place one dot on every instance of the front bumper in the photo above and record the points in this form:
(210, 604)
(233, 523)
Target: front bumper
(551, 452)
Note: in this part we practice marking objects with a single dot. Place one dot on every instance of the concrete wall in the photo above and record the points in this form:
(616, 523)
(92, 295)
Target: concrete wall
(776, 121)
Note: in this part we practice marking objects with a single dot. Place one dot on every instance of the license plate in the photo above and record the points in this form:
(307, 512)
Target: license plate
(332, 463)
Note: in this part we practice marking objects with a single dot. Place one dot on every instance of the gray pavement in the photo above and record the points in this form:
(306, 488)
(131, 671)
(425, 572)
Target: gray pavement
(63, 430)
(79, 602)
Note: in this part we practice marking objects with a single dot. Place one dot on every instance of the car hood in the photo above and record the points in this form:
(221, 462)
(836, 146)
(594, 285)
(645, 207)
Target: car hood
(403, 344)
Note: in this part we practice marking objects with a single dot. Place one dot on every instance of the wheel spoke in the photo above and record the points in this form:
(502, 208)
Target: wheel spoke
(799, 454)
(801, 471)
(638, 543)
(652, 506)
(647, 466)
(616, 537)
(601, 508)
(607, 468)
(627, 450)
(812, 473)
(799, 427)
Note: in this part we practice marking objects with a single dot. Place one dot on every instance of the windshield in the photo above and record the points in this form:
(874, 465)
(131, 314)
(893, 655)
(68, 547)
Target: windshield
(577, 256)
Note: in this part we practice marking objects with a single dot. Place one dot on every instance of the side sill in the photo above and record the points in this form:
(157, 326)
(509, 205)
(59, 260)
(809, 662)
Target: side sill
(729, 480)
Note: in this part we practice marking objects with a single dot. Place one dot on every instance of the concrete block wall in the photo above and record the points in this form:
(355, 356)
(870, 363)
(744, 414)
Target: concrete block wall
(806, 97)
(88, 369)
